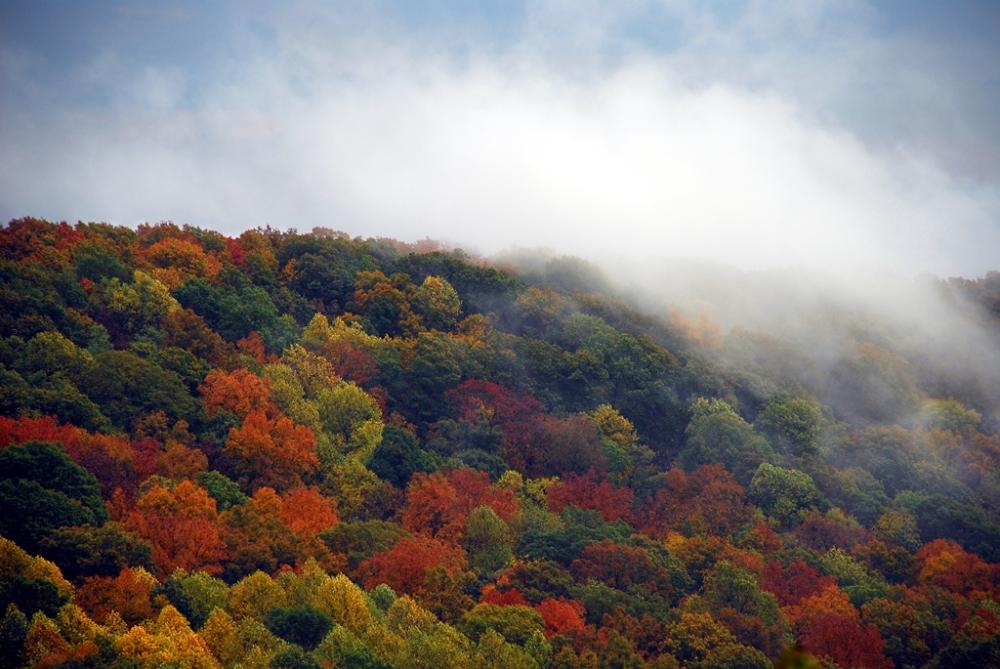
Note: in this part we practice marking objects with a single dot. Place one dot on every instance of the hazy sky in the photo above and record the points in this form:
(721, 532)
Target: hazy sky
(758, 134)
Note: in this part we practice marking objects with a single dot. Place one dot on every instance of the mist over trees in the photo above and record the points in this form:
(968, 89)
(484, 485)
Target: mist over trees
(289, 449)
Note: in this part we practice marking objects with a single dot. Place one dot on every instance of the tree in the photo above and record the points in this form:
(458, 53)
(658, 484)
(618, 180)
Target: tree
(240, 392)
(717, 434)
(561, 615)
(352, 418)
(828, 626)
(944, 563)
(406, 565)
(221, 488)
(845, 641)
(234, 308)
(437, 505)
(889, 453)
(185, 329)
(515, 623)
(913, 631)
(872, 384)
(977, 644)
(516, 415)
(345, 603)
(621, 567)
(83, 550)
(694, 635)
(793, 583)
(167, 641)
(306, 512)
(487, 540)
(128, 594)
(253, 596)
(257, 537)
(219, 635)
(492, 652)
(430, 368)
(129, 386)
(359, 540)
(129, 308)
(272, 451)
(293, 658)
(13, 631)
(301, 625)
(195, 595)
(181, 526)
(736, 656)
(30, 595)
(347, 347)
(443, 647)
(41, 489)
(437, 303)
(951, 415)
(783, 494)
(792, 425)
(584, 491)
(399, 457)
(709, 500)
(898, 527)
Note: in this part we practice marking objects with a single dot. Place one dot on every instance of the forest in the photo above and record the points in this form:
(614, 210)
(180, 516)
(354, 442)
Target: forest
(311, 450)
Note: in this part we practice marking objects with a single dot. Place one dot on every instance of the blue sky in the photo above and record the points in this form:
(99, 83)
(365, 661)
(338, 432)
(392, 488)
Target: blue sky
(757, 134)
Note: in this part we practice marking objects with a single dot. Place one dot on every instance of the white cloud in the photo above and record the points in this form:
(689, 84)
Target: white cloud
(661, 155)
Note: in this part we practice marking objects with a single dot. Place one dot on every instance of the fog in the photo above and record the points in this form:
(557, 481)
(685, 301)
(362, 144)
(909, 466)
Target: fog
(792, 170)
(742, 139)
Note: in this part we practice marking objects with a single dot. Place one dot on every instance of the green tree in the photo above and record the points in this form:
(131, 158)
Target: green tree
(293, 658)
(734, 656)
(359, 540)
(515, 623)
(129, 386)
(492, 652)
(792, 425)
(96, 551)
(399, 457)
(301, 625)
(13, 630)
(352, 418)
(783, 494)
(41, 489)
(717, 433)
(30, 595)
(199, 593)
(437, 303)
(487, 540)
(225, 491)
(133, 307)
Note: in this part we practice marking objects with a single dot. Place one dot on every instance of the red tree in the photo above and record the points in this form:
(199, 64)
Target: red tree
(240, 391)
(944, 563)
(586, 492)
(272, 451)
(181, 526)
(561, 615)
(437, 505)
(128, 593)
(405, 566)
(307, 512)
(707, 500)
(794, 583)
(620, 566)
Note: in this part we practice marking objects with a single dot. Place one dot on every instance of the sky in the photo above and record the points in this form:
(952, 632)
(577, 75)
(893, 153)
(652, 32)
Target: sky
(831, 135)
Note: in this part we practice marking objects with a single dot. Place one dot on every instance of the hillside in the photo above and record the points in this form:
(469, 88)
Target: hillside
(312, 450)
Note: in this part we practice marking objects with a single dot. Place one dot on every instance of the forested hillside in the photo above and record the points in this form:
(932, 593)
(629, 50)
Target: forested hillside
(311, 450)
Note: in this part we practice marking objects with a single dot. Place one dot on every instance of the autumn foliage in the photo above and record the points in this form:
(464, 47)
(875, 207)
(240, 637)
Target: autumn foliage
(312, 450)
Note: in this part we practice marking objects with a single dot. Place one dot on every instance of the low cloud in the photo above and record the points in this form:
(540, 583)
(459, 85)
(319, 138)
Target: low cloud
(659, 155)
